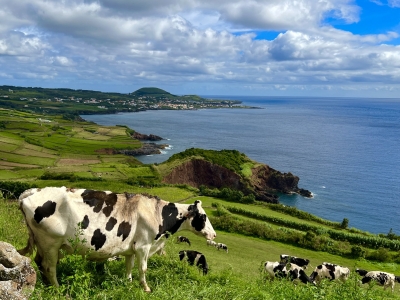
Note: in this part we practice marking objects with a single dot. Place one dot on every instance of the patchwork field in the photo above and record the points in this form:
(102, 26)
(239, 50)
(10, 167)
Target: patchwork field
(52, 144)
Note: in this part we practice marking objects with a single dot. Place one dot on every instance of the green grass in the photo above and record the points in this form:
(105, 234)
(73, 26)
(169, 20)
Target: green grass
(42, 161)
(233, 275)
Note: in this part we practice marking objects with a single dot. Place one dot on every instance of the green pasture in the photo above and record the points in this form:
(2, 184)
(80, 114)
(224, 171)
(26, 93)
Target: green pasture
(39, 149)
(8, 174)
(30, 152)
(23, 159)
(233, 275)
(11, 138)
(6, 147)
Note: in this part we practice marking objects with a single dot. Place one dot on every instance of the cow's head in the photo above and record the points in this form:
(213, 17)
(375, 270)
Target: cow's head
(176, 216)
(197, 221)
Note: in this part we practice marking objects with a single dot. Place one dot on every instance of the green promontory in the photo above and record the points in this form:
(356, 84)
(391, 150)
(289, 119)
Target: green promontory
(229, 169)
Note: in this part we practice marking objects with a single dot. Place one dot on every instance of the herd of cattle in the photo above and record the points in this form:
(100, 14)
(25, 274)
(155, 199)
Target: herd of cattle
(138, 225)
(294, 268)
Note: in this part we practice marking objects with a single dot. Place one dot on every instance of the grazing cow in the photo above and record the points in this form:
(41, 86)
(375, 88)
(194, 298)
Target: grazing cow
(211, 243)
(361, 272)
(289, 270)
(301, 262)
(222, 246)
(382, 278)
(195, 257)
(109, 225)
(269, 267)
(182, 239)
(330, 271)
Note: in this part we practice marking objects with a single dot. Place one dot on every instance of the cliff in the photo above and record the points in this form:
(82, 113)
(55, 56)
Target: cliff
(264, 182)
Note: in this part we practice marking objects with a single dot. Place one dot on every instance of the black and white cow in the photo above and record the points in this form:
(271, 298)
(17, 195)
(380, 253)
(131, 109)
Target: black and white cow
(222, 246)
(211, 243)
(182, 239)
(301, 262)
(195, 257)
(287, 270)
(330, 271)
(382, 278)
(111, 224)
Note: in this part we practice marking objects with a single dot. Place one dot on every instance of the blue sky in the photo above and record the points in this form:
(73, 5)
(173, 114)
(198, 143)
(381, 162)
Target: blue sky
(225, 47)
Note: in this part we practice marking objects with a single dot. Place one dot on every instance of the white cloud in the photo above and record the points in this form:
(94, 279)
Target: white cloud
(165, 42)
(394, 3)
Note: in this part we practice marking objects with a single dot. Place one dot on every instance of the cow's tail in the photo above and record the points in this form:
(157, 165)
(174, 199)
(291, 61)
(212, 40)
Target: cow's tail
(30, 247)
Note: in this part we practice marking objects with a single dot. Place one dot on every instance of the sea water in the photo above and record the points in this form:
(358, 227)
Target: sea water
(346, 151)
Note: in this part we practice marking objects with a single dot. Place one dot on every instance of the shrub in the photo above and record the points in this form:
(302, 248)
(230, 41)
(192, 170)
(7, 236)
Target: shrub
(12, 189)
(345, 223)
(357, 252)
(381, 255)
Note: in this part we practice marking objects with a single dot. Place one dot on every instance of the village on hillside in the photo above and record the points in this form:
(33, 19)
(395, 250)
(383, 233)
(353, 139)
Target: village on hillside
(88, 102)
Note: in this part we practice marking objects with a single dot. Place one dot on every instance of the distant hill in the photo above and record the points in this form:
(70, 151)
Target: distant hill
(151, 91)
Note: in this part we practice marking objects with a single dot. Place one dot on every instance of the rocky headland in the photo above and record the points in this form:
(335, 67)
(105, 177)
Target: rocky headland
(265, 182)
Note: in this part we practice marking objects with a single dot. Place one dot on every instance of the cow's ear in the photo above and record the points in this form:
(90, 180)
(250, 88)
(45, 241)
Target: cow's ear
(198, 202)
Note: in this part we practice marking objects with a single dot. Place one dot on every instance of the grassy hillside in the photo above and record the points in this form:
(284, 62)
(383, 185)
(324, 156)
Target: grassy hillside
(233, 275)
(32, 145)
(50, 151)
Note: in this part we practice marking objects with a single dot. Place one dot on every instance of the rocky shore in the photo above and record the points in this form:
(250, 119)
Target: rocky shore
(146, 149)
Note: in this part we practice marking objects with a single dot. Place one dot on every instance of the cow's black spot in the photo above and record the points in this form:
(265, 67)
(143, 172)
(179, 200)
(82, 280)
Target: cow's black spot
(124, 229)
(382, 278)
(199, 221)
(85, 222)
(170, 221)
(97, 199)
(111, 223)
(98, 239)
(107, 210)
(44, 211)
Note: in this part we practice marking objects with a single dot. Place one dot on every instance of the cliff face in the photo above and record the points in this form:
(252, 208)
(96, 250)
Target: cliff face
(264, 183)
(197, 172)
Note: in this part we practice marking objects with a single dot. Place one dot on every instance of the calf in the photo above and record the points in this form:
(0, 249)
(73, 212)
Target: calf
(222, 246)
(182, 239)
(211, 243)
(195, 257)
(301, 262)
(291, 271)
(382, 278)
(330, 271)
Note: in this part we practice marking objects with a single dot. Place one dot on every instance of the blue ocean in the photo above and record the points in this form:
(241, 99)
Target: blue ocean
(346, 151)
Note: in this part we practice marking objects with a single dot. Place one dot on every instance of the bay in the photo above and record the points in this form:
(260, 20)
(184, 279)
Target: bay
(346, 151)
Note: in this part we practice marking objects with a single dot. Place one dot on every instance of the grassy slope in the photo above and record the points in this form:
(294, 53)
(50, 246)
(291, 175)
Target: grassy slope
(233, 275)
(30, 146)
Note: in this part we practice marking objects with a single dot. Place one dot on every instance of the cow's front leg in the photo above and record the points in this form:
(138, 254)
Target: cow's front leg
(143, 254)
(129, 263)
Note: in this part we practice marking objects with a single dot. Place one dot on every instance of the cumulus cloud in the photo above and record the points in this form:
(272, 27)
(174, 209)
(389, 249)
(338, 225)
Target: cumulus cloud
(134, 43)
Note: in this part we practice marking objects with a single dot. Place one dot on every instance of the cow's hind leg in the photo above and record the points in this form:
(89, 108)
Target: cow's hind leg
(143, 255)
